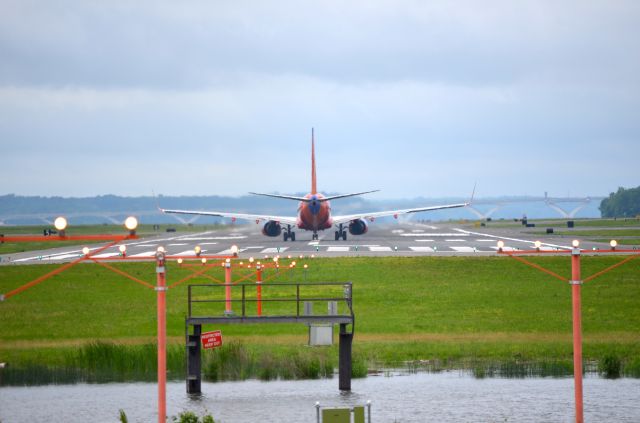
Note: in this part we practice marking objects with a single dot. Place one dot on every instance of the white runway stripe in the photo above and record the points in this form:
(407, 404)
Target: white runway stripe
(380, 248)
(463, 249)
(228, 251)
(455, 240)
(145, 254)
(273, 250)
(62, 257)
(505, 248)
(105, 255)
(338, 249)
(187, 253)
(422, 249)
(438, 235)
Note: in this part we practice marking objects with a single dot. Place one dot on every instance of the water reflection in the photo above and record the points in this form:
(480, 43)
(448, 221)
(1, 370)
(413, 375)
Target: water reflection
(421, 397)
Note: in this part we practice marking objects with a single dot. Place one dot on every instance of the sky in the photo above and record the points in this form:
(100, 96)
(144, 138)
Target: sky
(414, 98)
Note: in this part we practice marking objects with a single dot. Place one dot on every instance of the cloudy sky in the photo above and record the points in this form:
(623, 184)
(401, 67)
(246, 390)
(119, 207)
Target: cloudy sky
(416, 98)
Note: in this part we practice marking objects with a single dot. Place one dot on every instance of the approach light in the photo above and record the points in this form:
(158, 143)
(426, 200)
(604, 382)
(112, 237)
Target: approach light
(234, 250)
(197, 250)
(293, 263)
(122, 248)
(275, 259)
(537, 244)
(131, 223)
(500, 245)
(289, 256)
(204, 260)
(160, 255)
(227, 261)
(85, 251)
(613, 244)
(60, 223)
(250, 259)
(575, 243)
(180, 261)
(305, 266)
(241, 263)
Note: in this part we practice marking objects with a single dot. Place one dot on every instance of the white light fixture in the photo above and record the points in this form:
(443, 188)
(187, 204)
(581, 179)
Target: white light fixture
(60, 223)
(131, 223)
(85, 251)
(613, 244)
(500, 245)
(122, 248)
(537, 244)
(575, 243)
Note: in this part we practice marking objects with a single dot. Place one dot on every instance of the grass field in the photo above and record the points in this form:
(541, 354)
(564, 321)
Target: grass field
(449, 310)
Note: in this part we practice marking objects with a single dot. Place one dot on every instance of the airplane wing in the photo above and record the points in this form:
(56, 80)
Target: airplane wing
(288, 220)
(370, 216)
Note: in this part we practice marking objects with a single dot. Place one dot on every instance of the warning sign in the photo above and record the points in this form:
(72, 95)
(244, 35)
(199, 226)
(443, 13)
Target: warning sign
(211, 339)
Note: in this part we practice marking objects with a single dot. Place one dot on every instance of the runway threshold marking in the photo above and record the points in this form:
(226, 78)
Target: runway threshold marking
(526, 241)
(338, 249)
(464, 249)
(272, 250)
(422, 249)
(380, 249)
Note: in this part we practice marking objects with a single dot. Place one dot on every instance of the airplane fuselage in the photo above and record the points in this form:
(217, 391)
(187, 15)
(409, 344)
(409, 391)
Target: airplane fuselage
(314, 215)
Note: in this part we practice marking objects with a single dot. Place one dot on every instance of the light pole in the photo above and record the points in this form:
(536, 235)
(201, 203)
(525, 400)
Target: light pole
(576, 283)
(161, 289)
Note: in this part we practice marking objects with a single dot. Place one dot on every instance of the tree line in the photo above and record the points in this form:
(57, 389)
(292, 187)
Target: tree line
(623, 203)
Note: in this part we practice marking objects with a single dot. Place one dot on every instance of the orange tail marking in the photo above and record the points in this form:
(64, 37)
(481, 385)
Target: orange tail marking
(313, 165)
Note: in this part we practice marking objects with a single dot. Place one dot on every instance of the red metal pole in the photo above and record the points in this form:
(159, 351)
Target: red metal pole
(227, 288)
(162, 339)
(577, 332)
(259, 288)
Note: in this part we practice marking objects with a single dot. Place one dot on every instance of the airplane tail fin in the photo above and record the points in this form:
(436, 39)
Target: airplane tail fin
(313, 165)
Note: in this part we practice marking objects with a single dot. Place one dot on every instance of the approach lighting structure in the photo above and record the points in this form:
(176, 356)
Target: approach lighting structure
(500, 245)
(85, 251)
(234, 250)
(198, 250)
(160, 256)
(613, 244)
(60, 224)
(575, 243)
(123, 250)
(537, 244)
(131, 223)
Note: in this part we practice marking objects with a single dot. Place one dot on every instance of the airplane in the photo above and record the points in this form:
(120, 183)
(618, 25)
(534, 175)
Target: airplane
(314, 212)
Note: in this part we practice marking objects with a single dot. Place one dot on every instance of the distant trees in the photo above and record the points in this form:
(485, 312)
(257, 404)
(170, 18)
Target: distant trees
(624, 203)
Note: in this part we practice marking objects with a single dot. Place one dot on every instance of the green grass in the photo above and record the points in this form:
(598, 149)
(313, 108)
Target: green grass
(454, 311)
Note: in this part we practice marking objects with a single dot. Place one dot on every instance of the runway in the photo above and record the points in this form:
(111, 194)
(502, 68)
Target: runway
(400, 239)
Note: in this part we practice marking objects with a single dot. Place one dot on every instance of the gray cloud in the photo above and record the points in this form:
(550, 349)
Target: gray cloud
(411, 97)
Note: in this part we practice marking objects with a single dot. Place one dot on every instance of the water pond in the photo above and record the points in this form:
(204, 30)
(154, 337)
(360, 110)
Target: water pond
(396, 397)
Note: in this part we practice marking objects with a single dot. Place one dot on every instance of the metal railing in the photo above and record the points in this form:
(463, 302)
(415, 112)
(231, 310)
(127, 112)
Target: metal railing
(270, 293)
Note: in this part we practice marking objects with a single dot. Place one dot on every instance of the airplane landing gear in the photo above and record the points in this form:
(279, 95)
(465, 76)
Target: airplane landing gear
(289, 234)
(314, 237)
(341, 233)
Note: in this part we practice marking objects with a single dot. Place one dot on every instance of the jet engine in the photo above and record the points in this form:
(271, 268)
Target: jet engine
(358, 227)
(272, 228)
